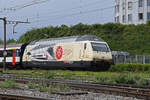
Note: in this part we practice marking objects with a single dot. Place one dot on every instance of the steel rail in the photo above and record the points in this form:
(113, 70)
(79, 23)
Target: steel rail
(18, 97)
(140, 93)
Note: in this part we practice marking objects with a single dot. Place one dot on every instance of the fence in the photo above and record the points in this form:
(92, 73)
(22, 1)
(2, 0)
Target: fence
(123, 57)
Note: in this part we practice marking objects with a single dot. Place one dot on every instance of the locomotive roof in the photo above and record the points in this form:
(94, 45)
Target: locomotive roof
(68, 39)
(11, 45)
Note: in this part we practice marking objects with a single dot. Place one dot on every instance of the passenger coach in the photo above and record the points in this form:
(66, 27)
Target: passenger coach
(13, 55)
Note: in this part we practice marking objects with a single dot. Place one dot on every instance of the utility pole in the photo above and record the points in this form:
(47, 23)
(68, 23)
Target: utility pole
(4, 53)
(14, 25)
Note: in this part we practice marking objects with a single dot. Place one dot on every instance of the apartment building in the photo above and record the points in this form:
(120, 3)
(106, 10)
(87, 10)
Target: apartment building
(132, 11)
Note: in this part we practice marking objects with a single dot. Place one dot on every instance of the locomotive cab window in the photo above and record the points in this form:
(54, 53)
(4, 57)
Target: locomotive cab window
(100, 47)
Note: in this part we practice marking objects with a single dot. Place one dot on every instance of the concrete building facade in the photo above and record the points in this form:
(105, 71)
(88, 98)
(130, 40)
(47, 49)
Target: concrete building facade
(132, 11)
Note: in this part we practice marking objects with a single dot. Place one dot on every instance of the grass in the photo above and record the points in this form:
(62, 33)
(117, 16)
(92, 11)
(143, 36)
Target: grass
(9, 84)
(106, 77)
(49, 88)
(131, 67)
(69, 73)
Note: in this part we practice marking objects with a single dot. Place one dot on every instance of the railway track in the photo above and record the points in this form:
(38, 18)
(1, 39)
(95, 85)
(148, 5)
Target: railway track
(18, 97)
(115, 89)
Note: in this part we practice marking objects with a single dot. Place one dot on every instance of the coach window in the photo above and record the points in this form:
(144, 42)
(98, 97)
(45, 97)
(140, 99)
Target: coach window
(17, 53)
(9, 53)
(1, 53)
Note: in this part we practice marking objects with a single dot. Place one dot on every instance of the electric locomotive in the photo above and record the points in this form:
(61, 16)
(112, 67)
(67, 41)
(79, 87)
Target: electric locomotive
(73, 51)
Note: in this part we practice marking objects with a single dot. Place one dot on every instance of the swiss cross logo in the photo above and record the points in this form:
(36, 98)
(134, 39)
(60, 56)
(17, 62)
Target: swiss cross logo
(59, 52)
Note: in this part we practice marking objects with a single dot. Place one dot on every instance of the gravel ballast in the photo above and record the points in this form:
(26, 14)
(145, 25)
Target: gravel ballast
(47, 95)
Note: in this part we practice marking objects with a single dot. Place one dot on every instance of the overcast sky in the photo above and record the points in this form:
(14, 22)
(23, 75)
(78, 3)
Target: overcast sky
(54, 12)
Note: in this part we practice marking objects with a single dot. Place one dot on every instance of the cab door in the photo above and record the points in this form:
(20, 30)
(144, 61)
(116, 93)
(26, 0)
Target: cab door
(82, 51)
(13, 57)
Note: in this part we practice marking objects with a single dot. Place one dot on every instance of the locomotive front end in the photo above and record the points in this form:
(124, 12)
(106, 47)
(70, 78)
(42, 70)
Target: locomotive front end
(102, 56)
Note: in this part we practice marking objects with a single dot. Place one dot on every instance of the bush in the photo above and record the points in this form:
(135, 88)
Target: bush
(69, 76)
(126, 78)
(9, 84)
(148, 22)
(102, 78)
(31, 85)
(52, 87)
(43, 87)
(50, 75)
(142, 82)
(130, 67)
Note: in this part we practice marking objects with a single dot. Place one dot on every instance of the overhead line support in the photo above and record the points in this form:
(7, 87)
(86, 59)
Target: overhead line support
(14, 24)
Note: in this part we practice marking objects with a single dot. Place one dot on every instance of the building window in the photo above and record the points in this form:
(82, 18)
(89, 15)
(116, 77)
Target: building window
(129, 17)
(117, 1)
(140, 16)
(123, 5)
(117, 8)
(129, 5)
(148, 15)
(140, 3)
(148, 2)
(123, 19)
(117, 19)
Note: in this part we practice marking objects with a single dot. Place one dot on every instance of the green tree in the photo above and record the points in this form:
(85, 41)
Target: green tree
(11, 41)
(131, 38)
(148, 22)
(1, 41)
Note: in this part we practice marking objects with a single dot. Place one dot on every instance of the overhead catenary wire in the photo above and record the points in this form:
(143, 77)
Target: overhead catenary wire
(73, 14)
(77, 13)
(63, 10)
(18, 7)
(49, 16)
(66, 9)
